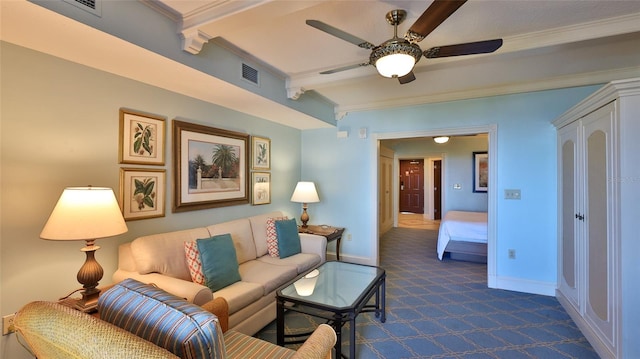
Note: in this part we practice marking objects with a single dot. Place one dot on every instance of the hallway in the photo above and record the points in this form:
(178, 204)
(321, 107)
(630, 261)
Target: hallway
(416, 221)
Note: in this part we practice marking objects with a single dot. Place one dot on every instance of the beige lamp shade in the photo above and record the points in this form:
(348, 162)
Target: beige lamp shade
(305, 192)
(84, 213)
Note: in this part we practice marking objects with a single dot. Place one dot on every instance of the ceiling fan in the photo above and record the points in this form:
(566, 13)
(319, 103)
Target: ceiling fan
(397, 56)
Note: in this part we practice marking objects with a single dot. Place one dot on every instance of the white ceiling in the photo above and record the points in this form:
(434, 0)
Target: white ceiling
(547, 44)
(541, 39)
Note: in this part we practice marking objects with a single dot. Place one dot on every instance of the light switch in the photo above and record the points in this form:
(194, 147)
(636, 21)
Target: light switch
(512, 194)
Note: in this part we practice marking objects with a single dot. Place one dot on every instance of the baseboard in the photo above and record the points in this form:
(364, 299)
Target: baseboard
(524, 286)
(597, 344)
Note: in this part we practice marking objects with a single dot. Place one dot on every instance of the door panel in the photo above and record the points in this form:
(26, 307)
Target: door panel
(437, 189)
(412, 186)
(385, 210)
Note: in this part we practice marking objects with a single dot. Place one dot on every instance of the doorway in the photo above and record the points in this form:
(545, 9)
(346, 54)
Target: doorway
(491, 131)
(412, 186)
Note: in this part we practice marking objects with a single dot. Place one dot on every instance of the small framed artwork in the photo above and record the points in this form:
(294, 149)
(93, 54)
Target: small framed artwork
(141, 138)
(142, 193)
(480, 171)
(211, 167)
(260, 188)
(260, 153)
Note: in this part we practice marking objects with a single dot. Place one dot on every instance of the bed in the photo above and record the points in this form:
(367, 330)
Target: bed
(464, 236)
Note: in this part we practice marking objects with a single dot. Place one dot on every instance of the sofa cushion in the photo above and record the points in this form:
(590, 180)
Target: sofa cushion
(288, 237)
(259, 229)
(272, 236)
(157, 253)
(240, 294)
(302, 261)
(219, 261)
(183, 328)
(268, 275)
(193, 262)
(240, 231)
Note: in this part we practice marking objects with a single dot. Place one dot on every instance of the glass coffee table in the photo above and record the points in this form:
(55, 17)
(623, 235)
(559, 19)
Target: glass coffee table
(337, 292)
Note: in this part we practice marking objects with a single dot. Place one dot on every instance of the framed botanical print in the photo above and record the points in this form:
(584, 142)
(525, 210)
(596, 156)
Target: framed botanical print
(260, 153)
(142, 193)
(141, 138)
(260, 188)
(210, 167)
(480, 171)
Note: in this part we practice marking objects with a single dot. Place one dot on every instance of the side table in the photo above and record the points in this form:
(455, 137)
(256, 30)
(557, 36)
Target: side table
(329, 232)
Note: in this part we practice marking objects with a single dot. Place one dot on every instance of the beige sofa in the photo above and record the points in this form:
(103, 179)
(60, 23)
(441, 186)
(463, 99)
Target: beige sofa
(160, 259)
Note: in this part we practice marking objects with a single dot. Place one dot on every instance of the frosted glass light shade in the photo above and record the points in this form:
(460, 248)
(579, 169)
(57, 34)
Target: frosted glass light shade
(395, 65)
(441, 139)
(84, 213)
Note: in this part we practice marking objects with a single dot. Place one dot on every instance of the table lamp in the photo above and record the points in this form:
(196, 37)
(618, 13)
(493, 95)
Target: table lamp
(86, 213)
(304, 193)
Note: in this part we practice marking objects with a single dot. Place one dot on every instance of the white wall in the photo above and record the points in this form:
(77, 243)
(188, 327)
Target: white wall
(59, 128)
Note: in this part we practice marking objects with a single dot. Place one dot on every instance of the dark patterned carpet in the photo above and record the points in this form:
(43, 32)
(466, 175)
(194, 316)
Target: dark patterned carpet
(443, 309)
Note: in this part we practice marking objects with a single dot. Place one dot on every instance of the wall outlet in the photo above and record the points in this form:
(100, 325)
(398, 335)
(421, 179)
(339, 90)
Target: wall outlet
(7, 324)
(512, 254)
(349, 237)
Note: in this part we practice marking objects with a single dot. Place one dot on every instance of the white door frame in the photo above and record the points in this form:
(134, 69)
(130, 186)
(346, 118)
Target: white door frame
(492, 131)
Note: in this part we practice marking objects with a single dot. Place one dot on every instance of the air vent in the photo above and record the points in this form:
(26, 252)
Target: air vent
(250, 74)
(92, 6)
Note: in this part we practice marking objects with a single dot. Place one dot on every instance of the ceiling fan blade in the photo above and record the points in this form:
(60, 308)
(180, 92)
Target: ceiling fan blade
(407, 78)
(431, 18)
(340, 34)
(344, 68)
(469, 48)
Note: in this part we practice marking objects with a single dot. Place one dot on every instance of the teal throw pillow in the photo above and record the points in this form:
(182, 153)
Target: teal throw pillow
(219, 261)
(288, 237)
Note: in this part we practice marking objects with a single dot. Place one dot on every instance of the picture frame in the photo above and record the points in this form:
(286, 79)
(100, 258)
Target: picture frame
(211, 167)
(142, 138)
(480, 172)
(260, 153)
(260, 188)
(142, 193)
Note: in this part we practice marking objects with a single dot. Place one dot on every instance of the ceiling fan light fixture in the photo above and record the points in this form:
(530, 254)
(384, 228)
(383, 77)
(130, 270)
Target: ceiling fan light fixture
(441, 139)
(395, 58)
(395, 65)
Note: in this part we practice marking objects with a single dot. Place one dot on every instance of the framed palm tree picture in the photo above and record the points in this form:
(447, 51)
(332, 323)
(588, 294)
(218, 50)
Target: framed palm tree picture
(210, 167)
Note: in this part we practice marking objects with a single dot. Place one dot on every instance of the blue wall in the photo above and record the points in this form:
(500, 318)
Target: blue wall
(345, 171)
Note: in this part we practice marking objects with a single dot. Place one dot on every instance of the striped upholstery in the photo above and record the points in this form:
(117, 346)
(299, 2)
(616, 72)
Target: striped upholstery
(241, 346)
(183, 328)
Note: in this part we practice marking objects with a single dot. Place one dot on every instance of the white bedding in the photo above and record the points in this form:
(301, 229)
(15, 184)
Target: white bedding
(466, 226)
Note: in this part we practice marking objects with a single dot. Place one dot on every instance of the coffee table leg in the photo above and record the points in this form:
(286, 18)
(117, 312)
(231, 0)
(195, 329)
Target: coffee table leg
(352, 338)
(382, 300)
(338, 329)
(280, 323)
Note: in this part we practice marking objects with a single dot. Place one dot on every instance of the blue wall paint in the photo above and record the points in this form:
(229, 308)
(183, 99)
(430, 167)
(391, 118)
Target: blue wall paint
(344, 170)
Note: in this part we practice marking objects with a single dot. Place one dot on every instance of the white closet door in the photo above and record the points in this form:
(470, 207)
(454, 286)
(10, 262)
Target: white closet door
(599, 220)
(569, 276)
